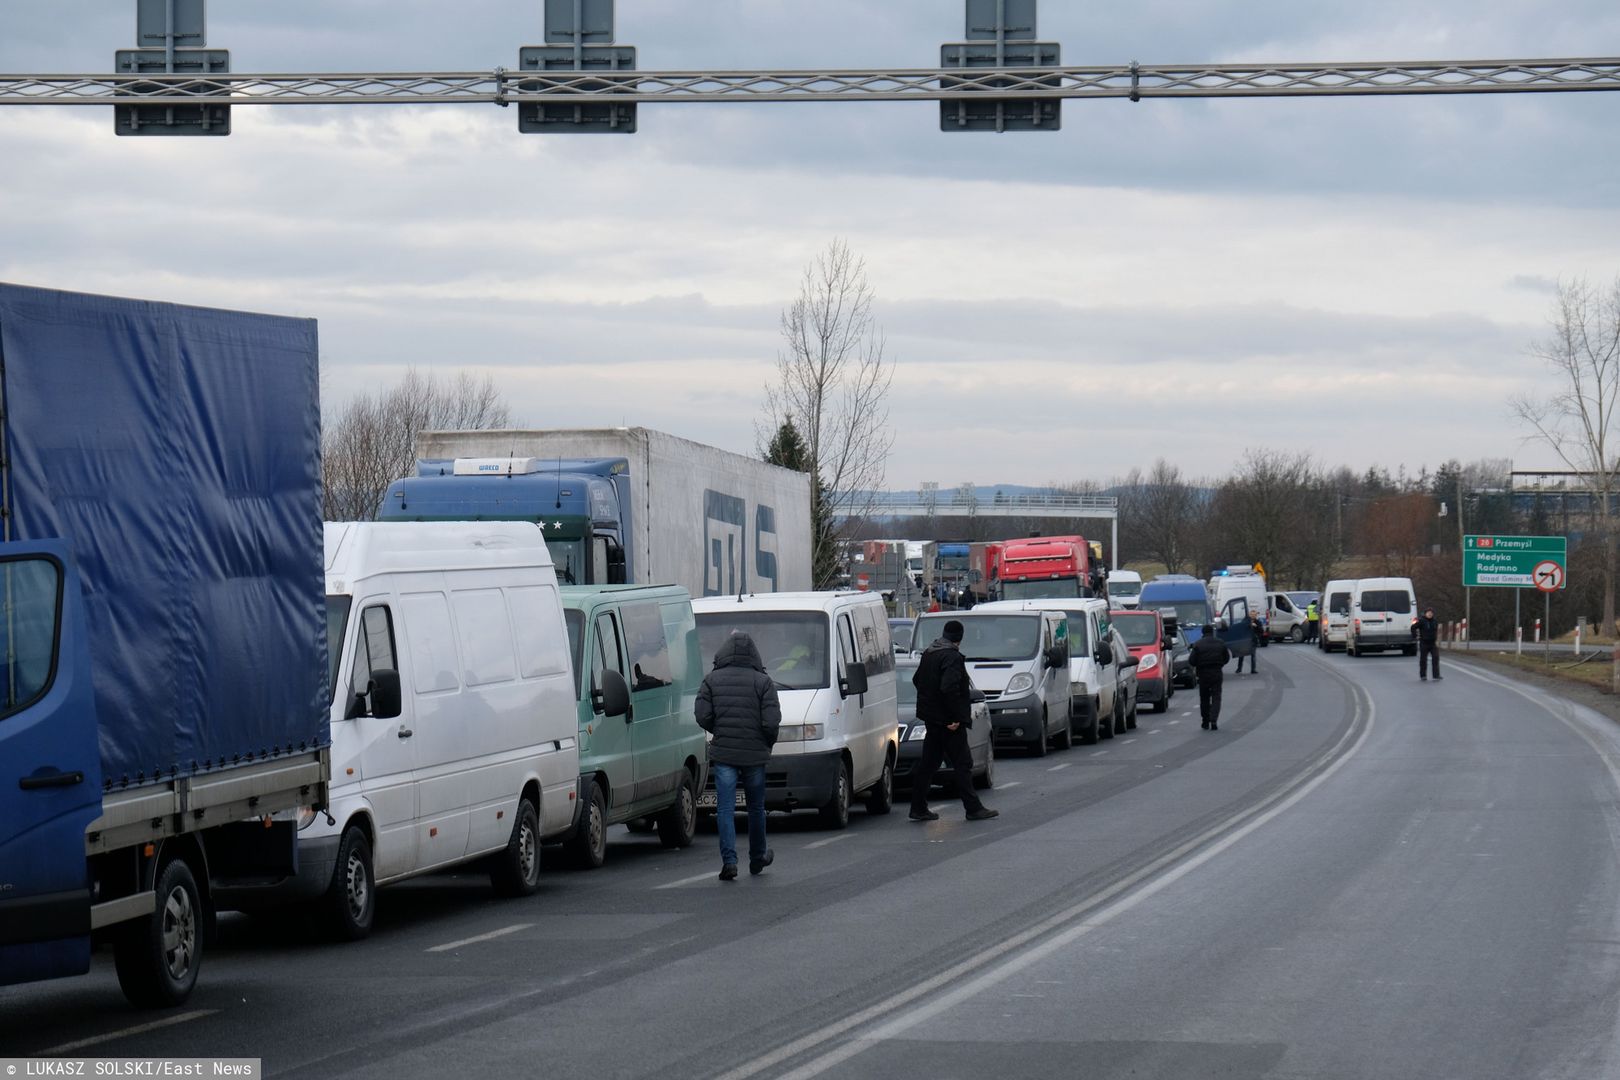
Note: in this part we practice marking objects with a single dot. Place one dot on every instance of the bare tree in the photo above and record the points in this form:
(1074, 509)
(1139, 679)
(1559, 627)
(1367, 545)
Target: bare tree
(833, 380)
(1158, 512)
(372, 440)
(1577, 420)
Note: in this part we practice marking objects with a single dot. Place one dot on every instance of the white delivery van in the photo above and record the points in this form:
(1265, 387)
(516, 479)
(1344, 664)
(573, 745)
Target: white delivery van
(1285, 620)
(1334, 607)
(1020, 660)
(833, 664)
(1251, 587)
(1381, 614)
(1098, 687)
(1124, 589)
(453, 728)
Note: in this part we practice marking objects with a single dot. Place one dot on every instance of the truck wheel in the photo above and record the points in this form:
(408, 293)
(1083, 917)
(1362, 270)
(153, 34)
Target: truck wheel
(835, 813)
(158, 957)
(987, 779)
(517, 869)
(351, 899)
(880, 800)
(589, 846)
(677, 826)
(1297, 634)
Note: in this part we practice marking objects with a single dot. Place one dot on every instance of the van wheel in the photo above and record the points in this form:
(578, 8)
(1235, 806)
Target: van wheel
(351, 899)
(589, 846)
(1297, 634)
(517, 869)
(1105, 726)
(158, 957)
(880, 800)
(677, 826)
(1043, 738)
(987, 779)
(1130, 719)
(1065, 739)
(835, 813)
(1090, 733)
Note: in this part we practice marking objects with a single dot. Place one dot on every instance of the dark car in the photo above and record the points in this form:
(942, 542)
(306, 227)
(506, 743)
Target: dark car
(912, 732)
(1181, 669)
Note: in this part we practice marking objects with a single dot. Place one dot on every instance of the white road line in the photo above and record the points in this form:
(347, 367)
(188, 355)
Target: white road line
(491, 936)
(829, 840)
(1173, 723)
(1004, 787)
(138, 1029)
(1059, 768)
(1155, 731)
(1099, 753)
(1016, 955)
(1129, 741)
(688, 881)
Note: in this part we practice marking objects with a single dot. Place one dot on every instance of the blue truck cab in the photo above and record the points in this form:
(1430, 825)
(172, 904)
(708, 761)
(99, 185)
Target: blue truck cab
(583, 507)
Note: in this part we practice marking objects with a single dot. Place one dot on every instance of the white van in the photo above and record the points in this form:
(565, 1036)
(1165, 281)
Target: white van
(1285, 620)
(453, 728)
(1020, 660)
(1251, 588)
(1334, 607)
(1382, 611)
(1124, 589)
(833, 664)
(1098, 687)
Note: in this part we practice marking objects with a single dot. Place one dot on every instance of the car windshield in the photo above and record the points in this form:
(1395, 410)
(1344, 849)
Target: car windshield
(1137, 629)
(1124, 588)
(1041, 589)
(337, 623)
(989, 637)
(900, 632)
(793, 644)
(1393, 601)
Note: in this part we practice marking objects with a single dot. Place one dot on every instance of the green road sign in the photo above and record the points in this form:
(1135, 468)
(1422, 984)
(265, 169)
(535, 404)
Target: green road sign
(1516, 562)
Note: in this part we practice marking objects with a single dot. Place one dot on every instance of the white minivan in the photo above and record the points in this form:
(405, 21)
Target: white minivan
(453, 728)
(1334, 613)
(1382, 611)
(833, 663)
(1020, 660)
(1098, 687)
(1124, 589)
(1224, 588)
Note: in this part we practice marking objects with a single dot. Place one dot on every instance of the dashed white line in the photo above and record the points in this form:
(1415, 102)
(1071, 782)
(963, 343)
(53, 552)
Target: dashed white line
(1058, 768)
(1129, 741)
(1004, 787)
(829, 840)
(138, 1029)
(1100, 753)
(491, 936)
(685, 881)
(1173, 723)
(1155, 731)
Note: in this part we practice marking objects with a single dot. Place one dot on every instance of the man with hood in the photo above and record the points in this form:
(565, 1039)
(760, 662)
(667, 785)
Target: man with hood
(944, 705)
(1209, 657)
(737, 704)
(1427, 633)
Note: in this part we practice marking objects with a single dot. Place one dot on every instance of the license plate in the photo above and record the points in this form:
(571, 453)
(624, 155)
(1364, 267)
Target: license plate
(708, 800)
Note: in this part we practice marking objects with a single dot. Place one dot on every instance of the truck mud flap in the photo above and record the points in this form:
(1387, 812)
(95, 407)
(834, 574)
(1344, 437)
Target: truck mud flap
(249, 850)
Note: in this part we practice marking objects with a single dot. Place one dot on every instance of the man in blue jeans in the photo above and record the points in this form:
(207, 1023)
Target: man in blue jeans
(737, 705)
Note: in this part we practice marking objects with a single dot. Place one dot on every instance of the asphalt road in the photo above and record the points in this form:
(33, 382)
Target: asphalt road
(1358, 876)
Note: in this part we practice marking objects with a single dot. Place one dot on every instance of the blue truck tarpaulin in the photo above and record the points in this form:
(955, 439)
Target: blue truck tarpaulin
(178, 450)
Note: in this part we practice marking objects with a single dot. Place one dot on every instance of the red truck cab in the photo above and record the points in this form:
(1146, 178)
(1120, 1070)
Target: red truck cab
(1046, 567)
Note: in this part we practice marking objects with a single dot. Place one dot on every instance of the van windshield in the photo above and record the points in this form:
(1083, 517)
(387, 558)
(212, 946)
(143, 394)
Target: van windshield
(793, 644)
(1186, 612)
(1137, 629)
(1124, 588)
(1394, 601)
(988, 637)
(337, 623)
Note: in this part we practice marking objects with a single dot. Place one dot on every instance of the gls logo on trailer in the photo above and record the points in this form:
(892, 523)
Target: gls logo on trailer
(725, 545)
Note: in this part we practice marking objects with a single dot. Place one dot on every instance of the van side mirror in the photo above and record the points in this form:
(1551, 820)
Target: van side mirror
(1129, 662)
(613, 699)
(1057, 656)
(1104, 655)
(853, 684)
(384, 694)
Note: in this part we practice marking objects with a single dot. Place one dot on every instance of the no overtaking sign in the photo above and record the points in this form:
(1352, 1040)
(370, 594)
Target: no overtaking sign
(1516, 562)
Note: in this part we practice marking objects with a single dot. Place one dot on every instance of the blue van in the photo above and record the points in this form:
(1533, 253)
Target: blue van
(1187, 597)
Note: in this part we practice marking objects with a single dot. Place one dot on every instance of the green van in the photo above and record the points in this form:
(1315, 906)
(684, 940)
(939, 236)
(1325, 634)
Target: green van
(637, 669)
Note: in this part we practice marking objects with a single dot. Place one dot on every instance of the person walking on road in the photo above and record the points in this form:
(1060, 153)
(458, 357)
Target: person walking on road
(944, 705)
(737, 704)
(1313, 625)
(1252, 625)
(1426, 631)
(1209, 657)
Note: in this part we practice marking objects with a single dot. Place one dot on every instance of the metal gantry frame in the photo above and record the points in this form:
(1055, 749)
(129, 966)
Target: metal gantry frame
(1134, 82)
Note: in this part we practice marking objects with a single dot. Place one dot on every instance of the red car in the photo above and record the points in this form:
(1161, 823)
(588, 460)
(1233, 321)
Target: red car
(1144, 632)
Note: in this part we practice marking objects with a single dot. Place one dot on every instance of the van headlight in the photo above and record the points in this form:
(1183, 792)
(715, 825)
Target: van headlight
(800, 732)
(1021, 683)
(1149, 662)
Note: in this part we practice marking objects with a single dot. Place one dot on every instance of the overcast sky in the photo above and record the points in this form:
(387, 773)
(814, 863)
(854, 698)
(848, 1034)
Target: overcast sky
(1356, 278)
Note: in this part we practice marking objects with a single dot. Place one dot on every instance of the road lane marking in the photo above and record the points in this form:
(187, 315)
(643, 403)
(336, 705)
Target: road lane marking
(124, 1033)
(1155, 731)
(1094, 912)
(1173, 723)
(1129, 741)
(491, 936)
(1100, 753)
(1014, 784)
(1059, 768)
(694, 879)
(829, 840)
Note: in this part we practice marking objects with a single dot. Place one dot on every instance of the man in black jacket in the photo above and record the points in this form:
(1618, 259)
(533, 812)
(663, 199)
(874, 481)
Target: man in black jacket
(737, 704)
(1427, 633)
(944, 704)
(1209, 657)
